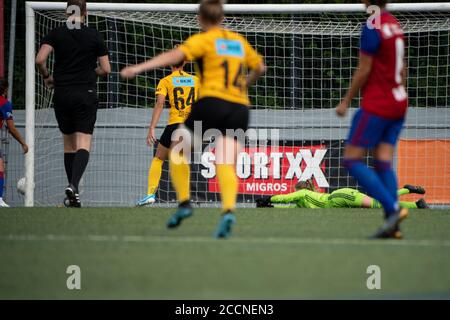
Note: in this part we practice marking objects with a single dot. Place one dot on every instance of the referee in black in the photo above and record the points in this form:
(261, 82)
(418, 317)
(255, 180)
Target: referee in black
(80, 57)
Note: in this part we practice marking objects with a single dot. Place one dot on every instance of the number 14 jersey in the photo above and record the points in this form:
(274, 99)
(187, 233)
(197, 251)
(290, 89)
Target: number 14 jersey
(222, 58)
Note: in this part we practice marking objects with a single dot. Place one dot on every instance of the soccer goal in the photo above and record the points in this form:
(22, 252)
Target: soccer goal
(310, 51)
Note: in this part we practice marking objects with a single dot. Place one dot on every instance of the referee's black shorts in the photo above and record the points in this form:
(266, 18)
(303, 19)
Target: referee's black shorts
(215, 113)
(166, 137)
(76, 109)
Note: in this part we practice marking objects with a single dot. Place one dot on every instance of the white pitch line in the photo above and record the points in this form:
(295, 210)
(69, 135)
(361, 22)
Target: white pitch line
(279, 241)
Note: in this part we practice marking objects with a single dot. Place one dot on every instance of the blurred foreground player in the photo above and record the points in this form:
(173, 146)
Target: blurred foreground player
(381, 76)
(223, 58)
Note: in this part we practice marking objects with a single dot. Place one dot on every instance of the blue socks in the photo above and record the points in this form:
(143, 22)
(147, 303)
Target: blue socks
(387, 175)
(377, 182)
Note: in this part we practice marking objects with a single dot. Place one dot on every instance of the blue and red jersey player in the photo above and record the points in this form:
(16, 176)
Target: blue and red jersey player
(7, 117)
(378, 122)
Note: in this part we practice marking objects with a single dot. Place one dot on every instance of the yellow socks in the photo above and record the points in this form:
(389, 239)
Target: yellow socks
(180, 175)
(154, 175)
(226, 174)
(228, 183)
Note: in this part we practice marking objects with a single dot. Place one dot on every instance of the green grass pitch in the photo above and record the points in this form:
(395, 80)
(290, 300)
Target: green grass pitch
(274, 254)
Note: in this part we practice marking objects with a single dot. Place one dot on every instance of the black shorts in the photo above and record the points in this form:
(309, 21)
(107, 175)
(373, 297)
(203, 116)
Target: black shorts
(166, 137)
(75, 109)
(215, 113)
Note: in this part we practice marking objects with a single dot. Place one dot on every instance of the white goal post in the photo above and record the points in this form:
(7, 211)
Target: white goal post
(270, 25)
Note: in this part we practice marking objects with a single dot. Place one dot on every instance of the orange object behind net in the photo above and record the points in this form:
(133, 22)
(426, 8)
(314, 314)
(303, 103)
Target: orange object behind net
(425, 163)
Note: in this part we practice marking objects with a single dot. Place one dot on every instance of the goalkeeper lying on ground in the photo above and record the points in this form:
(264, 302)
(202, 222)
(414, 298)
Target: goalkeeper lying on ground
(306, 197)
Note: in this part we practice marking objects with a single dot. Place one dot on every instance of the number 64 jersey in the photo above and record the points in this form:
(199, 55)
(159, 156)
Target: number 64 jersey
(182, 89)
(384, 93)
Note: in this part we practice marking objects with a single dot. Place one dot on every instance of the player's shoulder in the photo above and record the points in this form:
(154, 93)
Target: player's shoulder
(388, 17)
(221, 33)
(91, 31)
(236, 36)
(199, 37)
(57, 32)
(5, 103)
(59, 29)
(168, 77)
(166, 80)
(187, 74)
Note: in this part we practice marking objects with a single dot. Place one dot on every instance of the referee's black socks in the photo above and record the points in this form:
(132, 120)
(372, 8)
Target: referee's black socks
(68, 164)
(79, 165)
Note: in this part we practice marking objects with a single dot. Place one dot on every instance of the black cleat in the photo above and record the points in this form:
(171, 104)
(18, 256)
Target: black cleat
(384, 234)
(72, 196)
(422, 204)
(414, 189)
(391, 229)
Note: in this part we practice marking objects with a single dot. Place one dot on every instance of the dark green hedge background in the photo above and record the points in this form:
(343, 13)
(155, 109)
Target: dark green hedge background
(429, 90)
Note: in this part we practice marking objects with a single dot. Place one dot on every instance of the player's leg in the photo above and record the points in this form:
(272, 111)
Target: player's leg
(81, 160)
(63, 112)
(358, 199)
(76, 112)
(69, 142)
(367, 132)
(155, 169)
(384, 154)
(2, 181)
(228, 146)
(364, 134)
(154, 175)
(374, 204)
(408, 189)
(83, 143)
(367, 178)
(408, 205)
(64, 106)
(179, 170)
(402, 192)
(352, 198)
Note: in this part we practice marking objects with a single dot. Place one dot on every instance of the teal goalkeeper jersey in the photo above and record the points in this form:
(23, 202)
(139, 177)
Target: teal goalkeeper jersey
(304, 199)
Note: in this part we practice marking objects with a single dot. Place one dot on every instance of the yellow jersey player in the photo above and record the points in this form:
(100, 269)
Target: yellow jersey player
(223, 58)
(182, 90)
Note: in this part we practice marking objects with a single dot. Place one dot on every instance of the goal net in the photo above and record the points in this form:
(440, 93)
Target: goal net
(310, 51)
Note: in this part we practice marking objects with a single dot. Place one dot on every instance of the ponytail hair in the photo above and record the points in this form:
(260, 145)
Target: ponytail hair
(211, 11)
